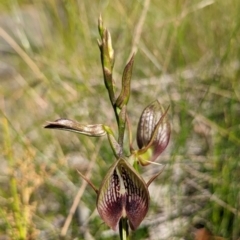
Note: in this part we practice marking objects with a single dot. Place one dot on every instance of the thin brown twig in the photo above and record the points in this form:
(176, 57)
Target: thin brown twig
(22, 54)
(213, 197)
(138, 29)
(80, 192)
(200, 175)
(186, 12)
(215, 126)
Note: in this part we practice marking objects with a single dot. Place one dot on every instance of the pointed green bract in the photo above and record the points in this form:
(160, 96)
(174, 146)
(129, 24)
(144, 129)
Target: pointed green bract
(113, 142)
(100, 26)
(107, 58)
(126, 82)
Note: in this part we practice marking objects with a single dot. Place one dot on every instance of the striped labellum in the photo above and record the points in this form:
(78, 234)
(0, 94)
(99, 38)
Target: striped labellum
(123, 194)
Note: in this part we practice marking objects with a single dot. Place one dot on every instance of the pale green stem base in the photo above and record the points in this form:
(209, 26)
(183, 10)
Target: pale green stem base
(124, 229)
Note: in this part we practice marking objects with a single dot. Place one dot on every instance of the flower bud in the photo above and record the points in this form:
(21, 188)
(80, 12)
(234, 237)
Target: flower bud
(92, 130)
(153, 132)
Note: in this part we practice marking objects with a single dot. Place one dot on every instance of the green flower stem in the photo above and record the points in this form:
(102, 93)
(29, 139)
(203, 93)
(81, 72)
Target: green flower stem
(116, 148)
(123, 229)
(121, 120)
(119, 105)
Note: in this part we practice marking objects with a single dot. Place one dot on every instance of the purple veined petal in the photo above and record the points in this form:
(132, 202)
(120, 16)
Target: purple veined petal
(137, 195)
(162, 139)
(110, 201)
(123, 193)
(146, 126)
(153, 130)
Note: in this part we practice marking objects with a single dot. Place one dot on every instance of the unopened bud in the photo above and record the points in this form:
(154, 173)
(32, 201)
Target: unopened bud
(92, 130)
(153, 131)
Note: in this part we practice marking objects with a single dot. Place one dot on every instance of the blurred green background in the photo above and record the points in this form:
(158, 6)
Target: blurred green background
(187, 57)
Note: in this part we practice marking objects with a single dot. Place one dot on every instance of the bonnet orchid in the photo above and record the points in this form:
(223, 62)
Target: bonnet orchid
(123, 197)
(153, 133)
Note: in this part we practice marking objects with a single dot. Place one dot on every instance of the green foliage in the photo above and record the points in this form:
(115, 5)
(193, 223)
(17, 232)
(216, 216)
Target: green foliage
(188, 58)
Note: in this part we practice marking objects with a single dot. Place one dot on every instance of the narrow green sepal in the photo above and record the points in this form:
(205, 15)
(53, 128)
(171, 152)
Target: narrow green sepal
(112, 140)
(107, 59)
(100, 26)
(126, 84)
